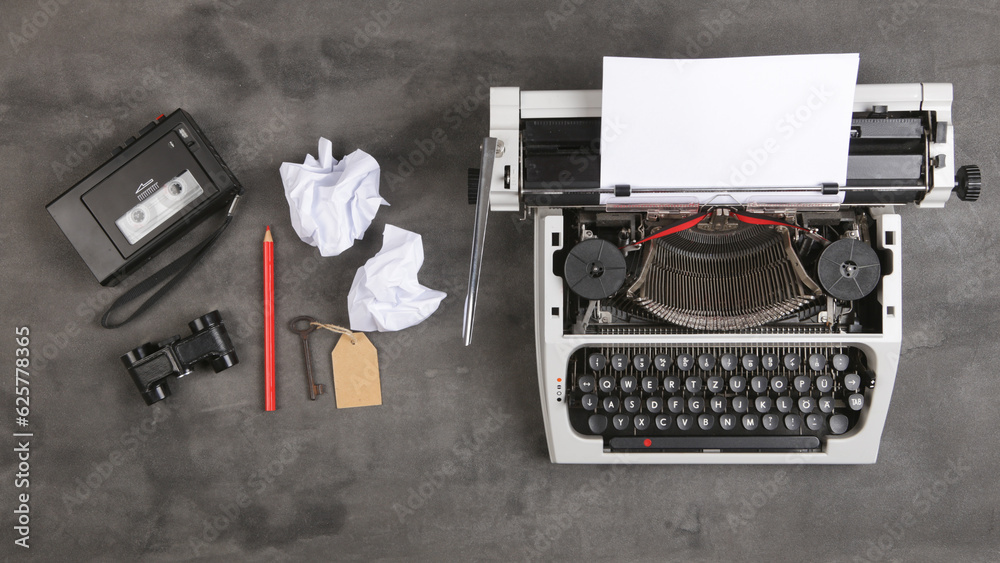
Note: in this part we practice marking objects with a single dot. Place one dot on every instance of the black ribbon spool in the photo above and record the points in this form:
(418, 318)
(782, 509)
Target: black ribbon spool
(848, 269)
(595, 269)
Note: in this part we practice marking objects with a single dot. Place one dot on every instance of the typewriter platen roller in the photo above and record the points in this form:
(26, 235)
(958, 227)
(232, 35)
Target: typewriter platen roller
(718, 333)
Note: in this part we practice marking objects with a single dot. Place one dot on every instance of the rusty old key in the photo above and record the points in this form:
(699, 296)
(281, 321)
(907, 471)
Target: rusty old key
(295, 325)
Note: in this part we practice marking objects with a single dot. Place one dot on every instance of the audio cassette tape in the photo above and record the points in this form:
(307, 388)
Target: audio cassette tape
(154, 189)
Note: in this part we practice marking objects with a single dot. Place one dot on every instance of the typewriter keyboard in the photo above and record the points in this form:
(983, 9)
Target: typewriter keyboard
(717, 398)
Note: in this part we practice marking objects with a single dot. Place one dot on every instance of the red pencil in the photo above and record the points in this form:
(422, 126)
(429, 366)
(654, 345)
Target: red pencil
(270, 400)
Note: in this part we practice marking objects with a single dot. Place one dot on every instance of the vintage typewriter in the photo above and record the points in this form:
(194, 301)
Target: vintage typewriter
(714, 333)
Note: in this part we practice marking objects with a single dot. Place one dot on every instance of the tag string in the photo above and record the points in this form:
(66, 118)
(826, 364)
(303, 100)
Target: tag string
(337, 329)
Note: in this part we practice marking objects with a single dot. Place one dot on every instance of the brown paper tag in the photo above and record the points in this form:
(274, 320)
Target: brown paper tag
(355, 372)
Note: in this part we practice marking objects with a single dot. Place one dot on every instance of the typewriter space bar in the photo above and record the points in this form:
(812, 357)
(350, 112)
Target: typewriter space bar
(722, 443)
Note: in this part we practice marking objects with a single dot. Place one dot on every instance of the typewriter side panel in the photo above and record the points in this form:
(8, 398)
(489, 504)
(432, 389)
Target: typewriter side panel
(555, 349)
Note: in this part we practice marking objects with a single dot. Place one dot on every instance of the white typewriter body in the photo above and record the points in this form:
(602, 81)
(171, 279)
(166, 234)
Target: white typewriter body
(510, 107)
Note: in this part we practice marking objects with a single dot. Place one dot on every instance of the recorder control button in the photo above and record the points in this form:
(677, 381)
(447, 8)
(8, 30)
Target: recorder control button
(146, 129)
(116, 150)
(129, 141)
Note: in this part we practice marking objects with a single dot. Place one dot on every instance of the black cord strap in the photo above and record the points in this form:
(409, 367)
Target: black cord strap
(172, 272)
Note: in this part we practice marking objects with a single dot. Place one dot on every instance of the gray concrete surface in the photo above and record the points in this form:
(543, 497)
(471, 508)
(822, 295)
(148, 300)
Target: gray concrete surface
(453, 466)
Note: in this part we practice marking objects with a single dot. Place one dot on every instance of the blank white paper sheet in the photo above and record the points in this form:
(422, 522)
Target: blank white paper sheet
(748, 122)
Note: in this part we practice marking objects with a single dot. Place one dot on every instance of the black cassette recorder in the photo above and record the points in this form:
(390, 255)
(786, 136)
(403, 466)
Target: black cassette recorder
(154, 189)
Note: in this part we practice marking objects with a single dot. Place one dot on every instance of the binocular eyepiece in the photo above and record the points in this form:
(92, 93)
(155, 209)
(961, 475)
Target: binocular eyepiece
(151, 364)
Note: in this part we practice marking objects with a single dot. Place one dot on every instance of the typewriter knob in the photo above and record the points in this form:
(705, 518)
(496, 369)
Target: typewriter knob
(473, 185)
(969, 182)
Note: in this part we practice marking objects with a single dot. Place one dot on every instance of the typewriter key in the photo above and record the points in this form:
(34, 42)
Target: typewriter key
(769, 421)
(814, 422)
(729, 362)
(838, 424)
(737, 384)
(801, 383)
(598, 423)
(825, 404)
(706, 421)
(663, 421)
(770, 362)
(856, 401)
(641, 362)
(685, 421)
(817, 362)
(629, 384)
(806, 404)
(792, 362)
(727, 422)
(619, 362)
(824, 383)
(649, 384)
(641, 421)
(716, 384)
(762, 404)
(597, 361)
(706, 362)
(620, 421)
(662, 362)
(852, 381)
(841, 362)
(784, 404)
(740, 404)
(654, 405)
(793, 422)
